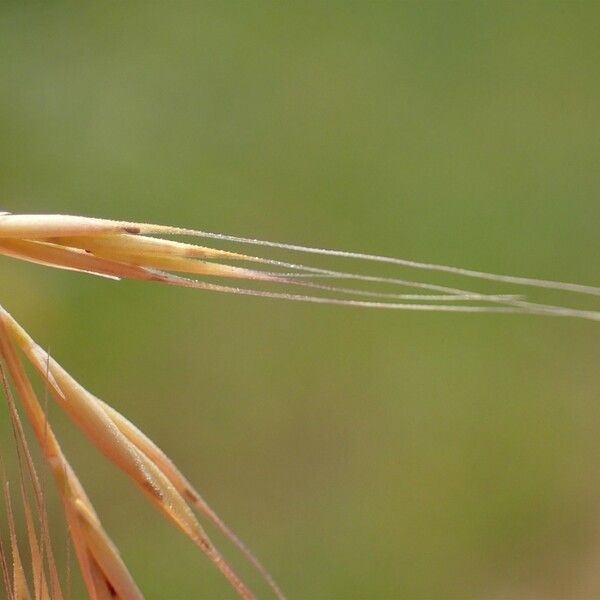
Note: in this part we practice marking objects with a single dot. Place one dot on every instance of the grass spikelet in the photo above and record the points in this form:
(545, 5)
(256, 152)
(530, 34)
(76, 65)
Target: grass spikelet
(92, 546)
(97, 424)
(120, 249)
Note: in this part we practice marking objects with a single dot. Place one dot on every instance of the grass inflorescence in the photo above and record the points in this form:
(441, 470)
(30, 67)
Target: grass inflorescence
(123, 250)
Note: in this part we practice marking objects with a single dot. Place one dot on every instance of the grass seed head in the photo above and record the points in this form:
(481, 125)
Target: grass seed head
(124, 250)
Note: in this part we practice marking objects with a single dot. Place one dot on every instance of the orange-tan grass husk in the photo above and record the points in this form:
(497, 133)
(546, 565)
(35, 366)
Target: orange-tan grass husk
(128, 250)
(103, 570)
(128, 448)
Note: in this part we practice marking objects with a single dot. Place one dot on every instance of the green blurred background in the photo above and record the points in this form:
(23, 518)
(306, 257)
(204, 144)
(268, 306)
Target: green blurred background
(360, 454)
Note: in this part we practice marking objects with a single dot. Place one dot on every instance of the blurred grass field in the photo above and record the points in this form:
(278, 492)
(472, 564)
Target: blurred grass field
(360, 454)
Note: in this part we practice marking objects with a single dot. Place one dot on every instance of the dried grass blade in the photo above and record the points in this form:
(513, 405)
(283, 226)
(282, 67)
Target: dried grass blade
(20, 589)
(5, 576)
(37, 564)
